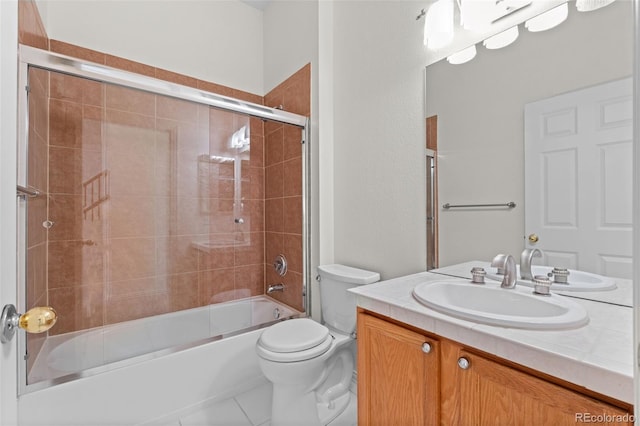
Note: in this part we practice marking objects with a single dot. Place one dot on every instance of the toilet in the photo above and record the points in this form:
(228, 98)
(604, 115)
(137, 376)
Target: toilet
(311, 364)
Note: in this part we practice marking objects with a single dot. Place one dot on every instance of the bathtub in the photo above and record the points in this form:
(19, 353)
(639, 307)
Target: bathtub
(69, 356)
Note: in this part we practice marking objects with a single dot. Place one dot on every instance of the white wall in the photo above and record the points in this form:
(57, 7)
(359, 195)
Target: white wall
(325, 99)
(480, 121)
(290, 39)
(290, 42)
(217, 41)
(379, 136)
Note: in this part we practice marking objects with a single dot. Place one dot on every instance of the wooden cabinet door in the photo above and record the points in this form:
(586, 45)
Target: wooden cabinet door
(488, 393)
(398, 382)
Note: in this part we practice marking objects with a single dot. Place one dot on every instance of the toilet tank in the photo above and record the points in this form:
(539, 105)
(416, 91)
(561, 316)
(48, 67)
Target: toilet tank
(337, 304)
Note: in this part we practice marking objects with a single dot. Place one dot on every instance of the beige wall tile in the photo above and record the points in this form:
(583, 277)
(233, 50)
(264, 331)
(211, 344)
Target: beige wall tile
(131, 258)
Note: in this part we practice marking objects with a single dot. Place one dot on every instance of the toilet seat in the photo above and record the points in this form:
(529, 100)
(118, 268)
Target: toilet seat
(294, 340)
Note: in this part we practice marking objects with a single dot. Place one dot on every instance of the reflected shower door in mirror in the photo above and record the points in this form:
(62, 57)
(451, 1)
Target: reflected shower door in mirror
(480, 108)
(432, 247)
(149, 205)
(432, 192)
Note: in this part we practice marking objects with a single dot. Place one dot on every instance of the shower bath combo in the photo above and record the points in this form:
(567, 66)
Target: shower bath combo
(153, 217)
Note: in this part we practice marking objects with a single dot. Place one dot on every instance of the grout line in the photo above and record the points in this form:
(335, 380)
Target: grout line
(243, 410)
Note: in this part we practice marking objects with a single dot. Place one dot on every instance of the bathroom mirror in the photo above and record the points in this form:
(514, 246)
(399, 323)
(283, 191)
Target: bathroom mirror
(480, 106)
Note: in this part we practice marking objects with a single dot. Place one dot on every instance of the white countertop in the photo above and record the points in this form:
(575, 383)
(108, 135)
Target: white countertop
(597, 356)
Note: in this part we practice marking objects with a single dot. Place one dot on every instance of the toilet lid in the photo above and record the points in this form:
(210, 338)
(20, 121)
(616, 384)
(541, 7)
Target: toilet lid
(294, 335)
(305, 355)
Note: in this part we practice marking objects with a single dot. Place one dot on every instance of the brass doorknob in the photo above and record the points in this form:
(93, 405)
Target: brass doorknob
(35, 320)
(533, 238)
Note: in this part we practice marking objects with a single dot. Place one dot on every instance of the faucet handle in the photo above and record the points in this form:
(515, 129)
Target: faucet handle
(477, 275)
(560, 275)
(541, 285)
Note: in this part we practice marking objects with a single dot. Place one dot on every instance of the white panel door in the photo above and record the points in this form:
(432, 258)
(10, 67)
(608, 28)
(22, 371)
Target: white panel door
(578, 178)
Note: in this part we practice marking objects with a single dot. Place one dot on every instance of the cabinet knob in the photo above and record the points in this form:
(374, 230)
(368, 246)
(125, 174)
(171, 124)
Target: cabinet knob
(426, 347)
(463, 363)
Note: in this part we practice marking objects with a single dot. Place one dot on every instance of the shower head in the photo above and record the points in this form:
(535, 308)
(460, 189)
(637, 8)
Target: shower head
(240, 139)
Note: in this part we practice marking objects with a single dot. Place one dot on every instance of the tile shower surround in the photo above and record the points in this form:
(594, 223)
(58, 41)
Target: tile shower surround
(149, 269)
(133, 255)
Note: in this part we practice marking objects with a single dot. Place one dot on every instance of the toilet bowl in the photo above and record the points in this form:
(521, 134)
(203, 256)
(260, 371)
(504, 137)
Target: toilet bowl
(310, 364)
(304, 392)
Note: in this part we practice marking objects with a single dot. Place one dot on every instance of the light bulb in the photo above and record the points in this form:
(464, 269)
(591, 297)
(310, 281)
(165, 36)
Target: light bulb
(476, 15)
(590, 5)
(502, 39)
(548, 19)
(465, 55)
(438, 24)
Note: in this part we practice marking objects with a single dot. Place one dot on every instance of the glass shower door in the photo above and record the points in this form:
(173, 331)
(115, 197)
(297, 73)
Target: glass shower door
(155, 201)
(148, 205)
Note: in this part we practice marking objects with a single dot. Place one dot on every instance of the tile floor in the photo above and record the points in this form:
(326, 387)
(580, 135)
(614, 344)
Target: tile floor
(252, 408)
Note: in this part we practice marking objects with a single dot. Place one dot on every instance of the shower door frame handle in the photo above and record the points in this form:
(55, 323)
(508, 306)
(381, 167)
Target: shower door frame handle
(24, 192)
(36, 320)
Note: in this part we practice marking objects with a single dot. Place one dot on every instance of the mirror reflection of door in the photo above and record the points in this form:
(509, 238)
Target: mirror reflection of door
(578, 176)
(432, 212)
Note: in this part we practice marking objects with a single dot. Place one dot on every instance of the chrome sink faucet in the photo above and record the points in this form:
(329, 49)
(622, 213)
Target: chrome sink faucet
(525, 262)
(508, 264)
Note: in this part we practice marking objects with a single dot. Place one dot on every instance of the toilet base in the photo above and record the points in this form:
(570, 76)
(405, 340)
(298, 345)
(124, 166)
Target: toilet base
(293, 407)
(328, 413)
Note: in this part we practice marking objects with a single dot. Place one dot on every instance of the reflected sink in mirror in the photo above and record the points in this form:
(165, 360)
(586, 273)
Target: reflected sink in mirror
(577, 281)
(493, 305)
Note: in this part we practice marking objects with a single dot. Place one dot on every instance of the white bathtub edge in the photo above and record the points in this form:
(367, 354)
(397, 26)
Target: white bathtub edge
(144, 392)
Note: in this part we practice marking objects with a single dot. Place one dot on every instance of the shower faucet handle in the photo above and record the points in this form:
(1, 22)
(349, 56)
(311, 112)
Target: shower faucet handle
(280, 265)
(35, 320)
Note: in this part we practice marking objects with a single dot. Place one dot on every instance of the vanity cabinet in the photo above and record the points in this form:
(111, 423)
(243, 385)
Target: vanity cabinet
(398, 375)
(477, 390)
(399, 384)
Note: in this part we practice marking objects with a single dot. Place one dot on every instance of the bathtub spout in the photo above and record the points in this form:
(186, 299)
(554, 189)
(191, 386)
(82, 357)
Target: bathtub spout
(275, 287)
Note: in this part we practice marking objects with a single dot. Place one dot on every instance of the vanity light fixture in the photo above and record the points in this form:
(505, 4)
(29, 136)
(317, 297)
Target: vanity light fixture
(590, 5)
(476, 15)
(502, 39)
(465, 55)
(548, 19)
(479, 15)
(438, 24)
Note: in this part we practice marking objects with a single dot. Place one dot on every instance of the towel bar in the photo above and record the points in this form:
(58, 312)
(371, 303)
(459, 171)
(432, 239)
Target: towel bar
(510, 204)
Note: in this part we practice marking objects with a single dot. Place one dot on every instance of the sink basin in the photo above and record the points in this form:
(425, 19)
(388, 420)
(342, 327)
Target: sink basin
(578, 280)
(491, 304)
